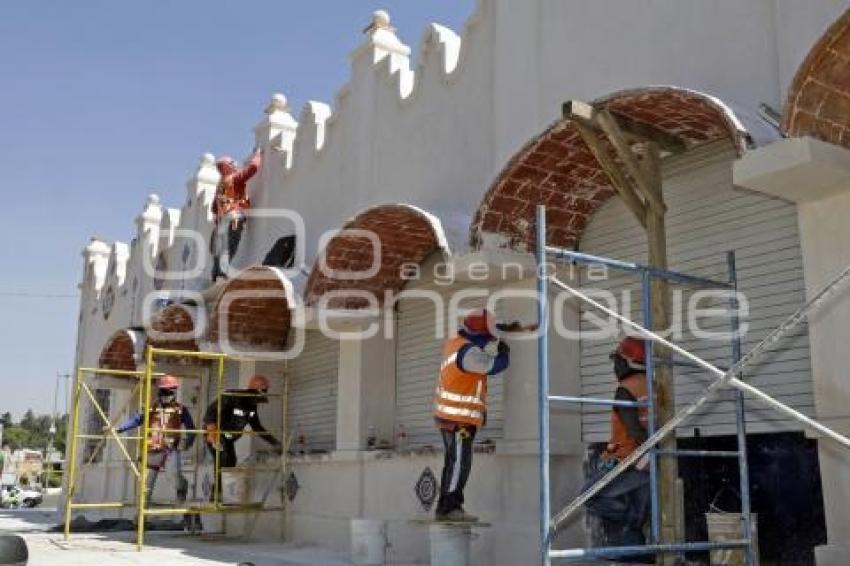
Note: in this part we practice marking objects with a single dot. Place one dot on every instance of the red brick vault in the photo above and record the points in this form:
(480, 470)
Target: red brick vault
(173, 328)
(123, 350)
(253, 312)
(349, 263)
(818, 102)
(557, 169)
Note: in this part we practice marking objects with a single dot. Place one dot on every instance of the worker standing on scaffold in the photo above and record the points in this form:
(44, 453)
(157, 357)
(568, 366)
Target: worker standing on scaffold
(167, 417)
(460, 401)
(238, 410)
(623, 505)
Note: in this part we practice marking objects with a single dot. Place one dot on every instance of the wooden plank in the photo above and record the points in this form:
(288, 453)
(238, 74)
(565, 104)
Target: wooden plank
(665, 392)
(633, 129)
(640, 174)
(618, 179)
(642, 130)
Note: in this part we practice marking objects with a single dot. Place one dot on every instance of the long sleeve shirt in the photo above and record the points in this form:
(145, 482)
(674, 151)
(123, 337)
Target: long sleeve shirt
(474, 358)
(136, 420)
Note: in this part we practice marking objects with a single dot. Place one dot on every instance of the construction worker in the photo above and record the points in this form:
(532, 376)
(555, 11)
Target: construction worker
(229, 205)
(623, 505)
(460, 403)
(238, 410)
(167, 417)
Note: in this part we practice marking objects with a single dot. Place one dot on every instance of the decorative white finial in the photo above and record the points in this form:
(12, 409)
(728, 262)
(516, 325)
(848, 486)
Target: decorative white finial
(207, 159)
(278, 103)
(153, 199)
(380, 20)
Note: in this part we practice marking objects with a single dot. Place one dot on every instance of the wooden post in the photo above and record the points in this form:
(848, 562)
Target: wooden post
(665, 394)
(639, 184)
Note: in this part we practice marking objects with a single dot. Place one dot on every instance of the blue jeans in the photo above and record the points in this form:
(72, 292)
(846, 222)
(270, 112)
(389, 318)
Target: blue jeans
(623, 505)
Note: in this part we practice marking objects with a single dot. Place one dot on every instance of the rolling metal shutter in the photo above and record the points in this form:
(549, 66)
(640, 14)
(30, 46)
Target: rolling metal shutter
(313, 391)
(706, 218)
(418, 356)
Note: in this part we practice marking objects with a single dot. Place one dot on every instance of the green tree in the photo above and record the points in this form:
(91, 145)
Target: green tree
(6, 419)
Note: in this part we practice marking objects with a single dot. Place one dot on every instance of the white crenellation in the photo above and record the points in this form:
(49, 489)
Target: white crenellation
(446, 42)
(148, 227)
(312, 125)
(277, 128)
(95, 264)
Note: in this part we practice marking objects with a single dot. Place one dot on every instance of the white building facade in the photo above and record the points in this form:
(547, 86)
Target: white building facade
(441, 158)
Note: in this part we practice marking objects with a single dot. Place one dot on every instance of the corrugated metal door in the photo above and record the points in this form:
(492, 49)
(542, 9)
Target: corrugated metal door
(419, 343)
(313, 393)
(706, 218)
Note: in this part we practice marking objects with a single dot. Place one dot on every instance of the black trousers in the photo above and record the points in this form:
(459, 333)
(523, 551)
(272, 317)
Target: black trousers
(457, 464)
(227, 459)
(623, 505)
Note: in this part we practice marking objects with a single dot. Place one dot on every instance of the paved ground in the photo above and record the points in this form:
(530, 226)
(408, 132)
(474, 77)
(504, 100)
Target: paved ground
(162, 549)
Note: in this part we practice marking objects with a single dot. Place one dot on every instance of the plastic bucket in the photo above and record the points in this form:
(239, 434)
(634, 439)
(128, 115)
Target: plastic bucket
(368, 542)
(730, 526)
(235, 487)
(450, 545)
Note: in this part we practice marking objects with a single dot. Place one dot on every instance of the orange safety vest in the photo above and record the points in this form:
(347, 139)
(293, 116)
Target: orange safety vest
(168, 418)
(621, 443)
(460, 396)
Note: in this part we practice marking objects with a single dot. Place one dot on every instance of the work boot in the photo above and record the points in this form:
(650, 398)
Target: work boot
(456, 516)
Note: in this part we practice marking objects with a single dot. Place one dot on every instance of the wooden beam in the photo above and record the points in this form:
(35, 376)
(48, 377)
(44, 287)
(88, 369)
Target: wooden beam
(609, 125)
(666, 141)
(618, 179)
(664, 383)
(634, 130)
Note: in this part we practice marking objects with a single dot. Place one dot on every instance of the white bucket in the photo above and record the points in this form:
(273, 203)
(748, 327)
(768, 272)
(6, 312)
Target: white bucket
(368, 542)
(730, 526)
(235, 487)
(450, 545)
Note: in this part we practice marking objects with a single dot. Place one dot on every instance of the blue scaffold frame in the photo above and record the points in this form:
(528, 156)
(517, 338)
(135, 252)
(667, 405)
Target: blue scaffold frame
(545, 400)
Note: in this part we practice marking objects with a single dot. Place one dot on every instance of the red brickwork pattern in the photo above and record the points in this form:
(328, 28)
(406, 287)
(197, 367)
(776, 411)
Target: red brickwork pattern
(253, 323)
(557, 169)
(170, 326)
(818, 102)
(406, 236)
(119, 352)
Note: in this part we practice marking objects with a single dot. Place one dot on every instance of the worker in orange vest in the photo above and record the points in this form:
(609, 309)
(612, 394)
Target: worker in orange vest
(460, 404)
(623, 505)
(229, 205)
(167, 420)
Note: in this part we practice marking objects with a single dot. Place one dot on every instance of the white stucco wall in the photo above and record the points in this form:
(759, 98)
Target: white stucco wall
(434, 133)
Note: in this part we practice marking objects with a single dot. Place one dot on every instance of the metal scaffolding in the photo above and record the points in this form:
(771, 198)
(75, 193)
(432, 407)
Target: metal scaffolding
(730, 378)
(138, 463)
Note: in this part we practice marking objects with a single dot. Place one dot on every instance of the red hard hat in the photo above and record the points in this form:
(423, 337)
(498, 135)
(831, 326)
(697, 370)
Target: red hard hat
(225, 163)
(258, 382)
(168, 381)
(632, 349)
(478, 322)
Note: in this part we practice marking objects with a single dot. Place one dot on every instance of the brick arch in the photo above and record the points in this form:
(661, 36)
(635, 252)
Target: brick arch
(408, 235)
(172, 327)
(818, 103)
(255, 323)
(557, 169)
(123, 350)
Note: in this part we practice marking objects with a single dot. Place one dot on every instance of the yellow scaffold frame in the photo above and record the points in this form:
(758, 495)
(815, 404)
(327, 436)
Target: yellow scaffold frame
(145, 378)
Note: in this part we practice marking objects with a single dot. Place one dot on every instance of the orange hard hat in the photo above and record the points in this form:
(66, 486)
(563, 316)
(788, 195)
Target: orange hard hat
(633, 349)
(478, 322)
(258, 383)
(168, 381)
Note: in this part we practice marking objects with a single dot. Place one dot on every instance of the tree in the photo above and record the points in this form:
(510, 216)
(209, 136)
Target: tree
(6, 419)
(28, 422)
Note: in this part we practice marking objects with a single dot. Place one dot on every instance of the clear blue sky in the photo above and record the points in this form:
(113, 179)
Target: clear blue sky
(103, 102)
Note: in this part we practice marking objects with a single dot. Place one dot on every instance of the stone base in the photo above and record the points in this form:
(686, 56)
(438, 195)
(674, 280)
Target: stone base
(832, 555)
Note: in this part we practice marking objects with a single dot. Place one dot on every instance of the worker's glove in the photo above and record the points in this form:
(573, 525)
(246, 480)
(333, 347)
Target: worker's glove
(492, 348)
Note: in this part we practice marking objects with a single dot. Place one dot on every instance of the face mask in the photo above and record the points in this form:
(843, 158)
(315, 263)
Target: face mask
(166, 396)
